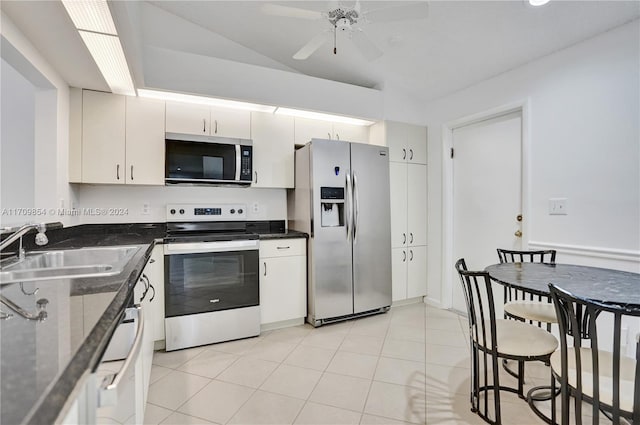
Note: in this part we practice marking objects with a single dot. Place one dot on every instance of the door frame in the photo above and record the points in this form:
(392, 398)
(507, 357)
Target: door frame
(523, 106)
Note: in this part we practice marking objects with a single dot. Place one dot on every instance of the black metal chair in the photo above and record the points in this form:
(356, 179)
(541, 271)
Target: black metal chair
(528, 307)
(608, 380)
(491, 339)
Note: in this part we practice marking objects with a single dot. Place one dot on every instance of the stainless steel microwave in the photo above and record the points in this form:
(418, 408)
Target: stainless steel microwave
(195, 159)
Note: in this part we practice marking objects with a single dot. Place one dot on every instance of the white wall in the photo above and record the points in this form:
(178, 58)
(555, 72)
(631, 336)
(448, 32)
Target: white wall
(17, 144)
(272, 203)
(584, 146)
(51, 125)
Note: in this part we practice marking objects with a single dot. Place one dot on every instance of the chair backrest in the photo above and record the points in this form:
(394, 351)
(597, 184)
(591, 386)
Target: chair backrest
(510, 256)
(478, 297)
(577, 319)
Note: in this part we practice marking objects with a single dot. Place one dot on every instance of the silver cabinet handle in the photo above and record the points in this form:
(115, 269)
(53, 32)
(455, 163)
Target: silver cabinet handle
(404, 256)
(151, 261)
(283, 247)
(410, 237)
(337, 136)
(265, 268)
(256, 174)
(216, 130)
(118, 171)
(410, 154)
(132, 172)
(108, 395)
(404, 238)
(404, 153)
(204, 125)
(411, 255)
(329, 134)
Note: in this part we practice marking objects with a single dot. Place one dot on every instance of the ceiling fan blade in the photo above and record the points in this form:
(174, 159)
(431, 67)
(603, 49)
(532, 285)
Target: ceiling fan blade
(368, 49)
(290, 12)
(418, 10)
(313, 45)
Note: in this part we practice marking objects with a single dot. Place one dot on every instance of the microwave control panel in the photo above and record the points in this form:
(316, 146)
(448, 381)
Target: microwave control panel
(245, 163)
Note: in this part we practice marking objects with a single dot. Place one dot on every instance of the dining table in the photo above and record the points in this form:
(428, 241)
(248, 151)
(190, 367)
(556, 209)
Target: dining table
(594, 283)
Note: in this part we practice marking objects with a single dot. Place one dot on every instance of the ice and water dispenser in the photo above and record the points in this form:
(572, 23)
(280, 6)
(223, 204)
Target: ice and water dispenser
(332, 206)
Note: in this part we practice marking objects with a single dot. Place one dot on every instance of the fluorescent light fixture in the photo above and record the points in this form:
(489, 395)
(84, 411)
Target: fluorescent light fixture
(109, 56)
(538, 2)
(204, 100)
(324, 117)
(91, 15)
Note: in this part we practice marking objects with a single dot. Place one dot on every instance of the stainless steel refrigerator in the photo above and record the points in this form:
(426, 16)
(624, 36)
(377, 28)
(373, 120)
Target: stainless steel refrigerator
(341, 198)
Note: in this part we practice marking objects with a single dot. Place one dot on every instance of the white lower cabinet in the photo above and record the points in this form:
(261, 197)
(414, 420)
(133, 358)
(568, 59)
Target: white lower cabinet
(409, 272)
(283, 280)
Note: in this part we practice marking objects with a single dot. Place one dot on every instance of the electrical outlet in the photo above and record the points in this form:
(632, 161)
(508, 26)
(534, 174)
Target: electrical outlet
(255, 208)
(145, 208)
(558, 206)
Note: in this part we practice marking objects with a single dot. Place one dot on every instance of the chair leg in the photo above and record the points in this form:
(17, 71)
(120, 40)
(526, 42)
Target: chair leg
(564, 390)
(553, 399)
(521, 379)
(496, 391)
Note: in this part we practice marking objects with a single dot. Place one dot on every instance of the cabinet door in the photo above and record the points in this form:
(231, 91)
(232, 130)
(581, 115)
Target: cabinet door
(103, 137)
(417, 144)
(145, 141)
(396, 137)
(186, 118)
(350, 132)
(156, 277)
(417, 271)
(273, 150)
(398, 199)
(307, 129)
(417, 204)
(230, 123)
(399, 260)
(283, 288)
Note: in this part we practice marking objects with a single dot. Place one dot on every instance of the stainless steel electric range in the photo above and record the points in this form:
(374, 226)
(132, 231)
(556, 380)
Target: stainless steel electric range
(212, 291)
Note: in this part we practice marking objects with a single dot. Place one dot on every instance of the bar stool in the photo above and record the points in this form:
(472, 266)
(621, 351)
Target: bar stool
(608, 380)
(491, 339)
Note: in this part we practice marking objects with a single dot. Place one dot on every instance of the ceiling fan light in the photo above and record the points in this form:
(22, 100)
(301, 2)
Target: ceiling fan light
(538, 2)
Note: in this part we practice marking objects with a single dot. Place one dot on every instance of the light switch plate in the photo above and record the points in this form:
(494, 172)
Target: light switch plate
(558, 206)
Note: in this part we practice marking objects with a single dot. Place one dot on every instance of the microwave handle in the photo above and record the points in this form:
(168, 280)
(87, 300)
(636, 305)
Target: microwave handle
(108, 395)
(238, 162)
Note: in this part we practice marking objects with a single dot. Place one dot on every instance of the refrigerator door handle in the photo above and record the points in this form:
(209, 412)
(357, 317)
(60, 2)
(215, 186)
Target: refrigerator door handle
(347, 205)
(356, 209)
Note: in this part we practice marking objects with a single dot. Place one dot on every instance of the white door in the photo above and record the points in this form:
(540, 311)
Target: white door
(350, 132)
(273, 150)
(230, 123)
(398, 197)
(487, 193)
(144, 132)
(187, 118)
(417, 204)
(307, 129)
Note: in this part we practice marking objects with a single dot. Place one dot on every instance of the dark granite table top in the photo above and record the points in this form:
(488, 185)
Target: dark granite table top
(604, 285)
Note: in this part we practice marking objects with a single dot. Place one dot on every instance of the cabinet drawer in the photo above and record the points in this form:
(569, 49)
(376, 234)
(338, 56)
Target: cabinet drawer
(283, 247)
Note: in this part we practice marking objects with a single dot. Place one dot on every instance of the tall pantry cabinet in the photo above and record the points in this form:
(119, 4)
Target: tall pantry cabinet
(408, 181)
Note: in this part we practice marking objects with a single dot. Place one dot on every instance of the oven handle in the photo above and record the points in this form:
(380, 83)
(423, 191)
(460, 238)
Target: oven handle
(202, 247)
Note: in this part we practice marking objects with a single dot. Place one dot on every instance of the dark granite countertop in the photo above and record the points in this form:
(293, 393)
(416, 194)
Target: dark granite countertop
(43, 363)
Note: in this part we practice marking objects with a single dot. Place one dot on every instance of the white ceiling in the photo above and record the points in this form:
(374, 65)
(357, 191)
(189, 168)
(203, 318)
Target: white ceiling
(459, 44)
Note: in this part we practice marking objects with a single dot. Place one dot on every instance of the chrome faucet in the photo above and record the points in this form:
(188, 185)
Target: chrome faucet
(41, 238)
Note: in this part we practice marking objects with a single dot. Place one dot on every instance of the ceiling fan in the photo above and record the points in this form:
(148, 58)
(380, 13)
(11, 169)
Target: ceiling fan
(349, 20)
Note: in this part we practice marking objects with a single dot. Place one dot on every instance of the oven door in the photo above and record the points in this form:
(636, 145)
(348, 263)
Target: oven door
(211, 276)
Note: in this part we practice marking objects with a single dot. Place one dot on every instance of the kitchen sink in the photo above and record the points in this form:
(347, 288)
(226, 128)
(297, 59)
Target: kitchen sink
(68, 263)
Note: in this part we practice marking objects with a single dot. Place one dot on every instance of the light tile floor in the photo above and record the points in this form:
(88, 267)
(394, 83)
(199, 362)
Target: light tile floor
(374, 370)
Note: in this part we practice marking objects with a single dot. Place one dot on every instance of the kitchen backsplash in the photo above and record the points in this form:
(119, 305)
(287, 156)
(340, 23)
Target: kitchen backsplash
(147, 204)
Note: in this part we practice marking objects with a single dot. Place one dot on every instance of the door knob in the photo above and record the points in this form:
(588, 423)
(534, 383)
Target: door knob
(518, 233)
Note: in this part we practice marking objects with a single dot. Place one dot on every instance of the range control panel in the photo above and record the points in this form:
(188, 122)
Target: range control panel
(206, 212)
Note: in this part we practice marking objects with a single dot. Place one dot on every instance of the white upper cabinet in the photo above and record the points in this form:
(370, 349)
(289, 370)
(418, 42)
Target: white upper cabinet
(230, 123)
(103, 137)
(416, 204)
(209, 121)
(186, 118)
(398, 198)
(273, 150)
(307, 129)
(144, 141)
(406, 142)
(350, 132)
